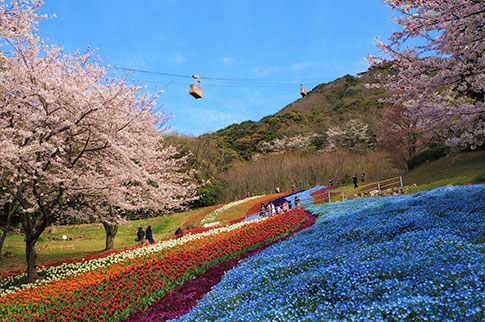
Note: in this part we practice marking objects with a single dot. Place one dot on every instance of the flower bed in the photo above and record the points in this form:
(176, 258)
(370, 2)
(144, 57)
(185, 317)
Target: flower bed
(227, 209)
(66, 268)
(405, 258)
(18, 274)
(117, 289)
(321, 195)
(184, 297)
(194, 219)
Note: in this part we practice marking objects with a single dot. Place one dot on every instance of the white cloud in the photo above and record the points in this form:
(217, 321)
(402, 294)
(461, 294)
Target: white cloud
(302, 65)
(179, 58)
(196, 121)
(229, 61)
(266, 71)
(212, 116)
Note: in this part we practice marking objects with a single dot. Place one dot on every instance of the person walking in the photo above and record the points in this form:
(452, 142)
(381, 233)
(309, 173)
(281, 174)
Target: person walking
(297, 202)
(363, 177)
(140, 235)
(262, 210)
(179, 233)
(355, 181)
(330, 182)
(148, 235)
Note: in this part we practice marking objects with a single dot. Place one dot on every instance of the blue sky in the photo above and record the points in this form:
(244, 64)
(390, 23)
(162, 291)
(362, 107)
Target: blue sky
(262, 49)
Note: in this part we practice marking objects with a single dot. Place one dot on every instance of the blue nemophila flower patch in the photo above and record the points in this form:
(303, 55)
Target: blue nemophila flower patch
(418, 257)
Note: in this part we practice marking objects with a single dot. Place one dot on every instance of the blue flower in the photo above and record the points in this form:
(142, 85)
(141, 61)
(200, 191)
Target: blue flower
(418, 257)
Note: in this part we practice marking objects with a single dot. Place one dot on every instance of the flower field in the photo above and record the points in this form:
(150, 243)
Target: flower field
(414, 257)
(404, 258)
(181, 300)
(111, 288)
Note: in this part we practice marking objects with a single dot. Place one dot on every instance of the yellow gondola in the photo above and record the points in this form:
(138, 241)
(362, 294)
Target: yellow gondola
(302, 91)
(194, 89)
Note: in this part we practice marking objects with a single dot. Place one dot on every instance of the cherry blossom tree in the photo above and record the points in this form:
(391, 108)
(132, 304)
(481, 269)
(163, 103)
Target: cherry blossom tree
(398, 135)
(439, 56)
(18, 19)
(68, 130)
(353, 135)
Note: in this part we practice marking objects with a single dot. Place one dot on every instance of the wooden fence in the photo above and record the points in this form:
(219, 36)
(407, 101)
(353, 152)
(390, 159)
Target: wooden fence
(379, 185)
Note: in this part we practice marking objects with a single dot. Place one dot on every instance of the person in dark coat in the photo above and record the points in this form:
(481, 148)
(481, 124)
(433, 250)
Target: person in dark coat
(355, 181)
(148, 235)
(179, 232)
(140, 236)
(363, 177)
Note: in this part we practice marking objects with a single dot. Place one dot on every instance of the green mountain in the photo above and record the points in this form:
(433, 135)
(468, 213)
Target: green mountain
(303, 124)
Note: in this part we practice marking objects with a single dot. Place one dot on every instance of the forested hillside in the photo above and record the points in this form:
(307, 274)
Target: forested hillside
(344, 107)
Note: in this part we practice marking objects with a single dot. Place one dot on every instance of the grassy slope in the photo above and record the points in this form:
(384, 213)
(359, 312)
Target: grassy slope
(455, 169)
(458, 169)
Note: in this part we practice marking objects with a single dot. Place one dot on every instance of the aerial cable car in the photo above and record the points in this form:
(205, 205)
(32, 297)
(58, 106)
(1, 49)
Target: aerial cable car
(302, 91)
(194, 89)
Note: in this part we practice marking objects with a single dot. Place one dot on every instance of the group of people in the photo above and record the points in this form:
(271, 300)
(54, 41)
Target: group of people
(270, 209)
(147, 236)
(144, 236)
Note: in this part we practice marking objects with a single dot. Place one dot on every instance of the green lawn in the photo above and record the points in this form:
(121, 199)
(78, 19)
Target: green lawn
(88, 239)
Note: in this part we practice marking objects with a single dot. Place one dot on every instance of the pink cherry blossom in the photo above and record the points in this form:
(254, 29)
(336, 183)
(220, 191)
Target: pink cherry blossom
(441, 67)
(71, 135)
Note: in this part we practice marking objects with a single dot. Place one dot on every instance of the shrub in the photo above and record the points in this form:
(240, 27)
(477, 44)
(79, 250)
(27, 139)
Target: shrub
(207, 194)
(427, 154)
(479, 178)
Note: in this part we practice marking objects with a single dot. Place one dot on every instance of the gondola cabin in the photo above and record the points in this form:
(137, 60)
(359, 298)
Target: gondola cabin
(303, 92)
(195, 91)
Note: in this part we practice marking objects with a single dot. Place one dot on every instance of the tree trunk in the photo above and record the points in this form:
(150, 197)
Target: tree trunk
(10, 209)
(111, 230)
(34, 226)
(31, 257)
(2, 239)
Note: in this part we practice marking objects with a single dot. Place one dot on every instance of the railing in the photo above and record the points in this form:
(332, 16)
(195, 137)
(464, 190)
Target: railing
(380, 185)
